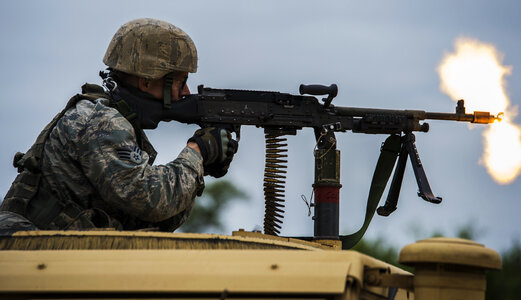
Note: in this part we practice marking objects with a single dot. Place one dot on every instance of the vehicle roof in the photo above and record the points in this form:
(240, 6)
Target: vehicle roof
(299, 270)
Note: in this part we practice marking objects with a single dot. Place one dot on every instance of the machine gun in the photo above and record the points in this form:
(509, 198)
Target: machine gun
(283, 114)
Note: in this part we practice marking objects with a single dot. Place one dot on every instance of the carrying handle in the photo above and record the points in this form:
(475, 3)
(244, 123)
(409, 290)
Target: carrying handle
(318, 90)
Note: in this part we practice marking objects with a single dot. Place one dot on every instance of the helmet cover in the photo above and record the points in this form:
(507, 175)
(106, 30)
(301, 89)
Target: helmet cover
(151, 48)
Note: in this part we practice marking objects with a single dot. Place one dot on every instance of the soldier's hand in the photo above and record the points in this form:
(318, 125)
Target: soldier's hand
(217, 170)
(217, 148)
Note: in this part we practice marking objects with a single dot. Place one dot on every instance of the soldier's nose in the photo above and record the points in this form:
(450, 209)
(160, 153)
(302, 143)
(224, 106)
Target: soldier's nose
(185, 91)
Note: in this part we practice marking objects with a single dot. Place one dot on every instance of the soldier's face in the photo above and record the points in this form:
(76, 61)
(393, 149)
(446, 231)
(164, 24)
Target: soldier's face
(155, 87)
(179, 86)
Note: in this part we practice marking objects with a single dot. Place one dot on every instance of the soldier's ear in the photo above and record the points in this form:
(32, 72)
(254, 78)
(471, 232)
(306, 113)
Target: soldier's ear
(144, 84)
(153, 87)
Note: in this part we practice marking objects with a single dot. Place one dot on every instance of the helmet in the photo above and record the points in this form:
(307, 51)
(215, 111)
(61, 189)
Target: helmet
(151, 49)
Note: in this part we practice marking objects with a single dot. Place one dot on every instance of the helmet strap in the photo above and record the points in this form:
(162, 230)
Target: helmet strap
(167, 90)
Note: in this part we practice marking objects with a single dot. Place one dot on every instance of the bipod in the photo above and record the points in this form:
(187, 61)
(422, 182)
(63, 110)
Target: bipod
(408, 149)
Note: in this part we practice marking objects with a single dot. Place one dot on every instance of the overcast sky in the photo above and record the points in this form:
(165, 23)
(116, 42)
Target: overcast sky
(380, 53)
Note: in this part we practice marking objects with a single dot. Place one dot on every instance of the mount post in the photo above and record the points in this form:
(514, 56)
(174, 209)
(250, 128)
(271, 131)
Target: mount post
(326, 188)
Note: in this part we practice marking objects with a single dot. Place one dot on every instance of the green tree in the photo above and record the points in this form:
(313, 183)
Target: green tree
(378, 248)
(506, 284)
(206, 215)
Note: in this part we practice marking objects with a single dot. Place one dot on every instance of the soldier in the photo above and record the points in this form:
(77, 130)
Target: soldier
(91, 167)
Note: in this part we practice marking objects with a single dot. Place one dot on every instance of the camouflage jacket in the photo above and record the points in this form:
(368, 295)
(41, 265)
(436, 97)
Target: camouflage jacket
(102, 178)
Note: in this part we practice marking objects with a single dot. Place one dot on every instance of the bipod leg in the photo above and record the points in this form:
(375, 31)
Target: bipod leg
(421, 178)
(394, 191)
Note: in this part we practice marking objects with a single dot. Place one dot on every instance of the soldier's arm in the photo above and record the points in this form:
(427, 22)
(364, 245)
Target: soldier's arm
(119, 170)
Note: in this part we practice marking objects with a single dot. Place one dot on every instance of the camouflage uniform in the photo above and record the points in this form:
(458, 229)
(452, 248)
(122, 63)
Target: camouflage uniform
(11, 222)
(92, 161)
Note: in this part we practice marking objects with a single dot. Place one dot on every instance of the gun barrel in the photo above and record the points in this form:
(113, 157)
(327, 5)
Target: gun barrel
(480, 117)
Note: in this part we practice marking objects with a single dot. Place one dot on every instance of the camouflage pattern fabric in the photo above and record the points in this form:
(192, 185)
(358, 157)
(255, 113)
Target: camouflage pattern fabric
(11, 222)
(104, 179)
(151, 48)
(92, 154)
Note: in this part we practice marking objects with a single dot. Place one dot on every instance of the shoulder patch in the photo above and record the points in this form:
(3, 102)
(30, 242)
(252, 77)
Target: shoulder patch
(132, 154)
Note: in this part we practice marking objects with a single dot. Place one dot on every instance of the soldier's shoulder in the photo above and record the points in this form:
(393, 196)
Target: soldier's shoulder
(91, 115)
(92, 108)
(86, 111)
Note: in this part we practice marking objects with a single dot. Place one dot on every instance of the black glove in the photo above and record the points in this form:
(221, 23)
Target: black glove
(217, 148)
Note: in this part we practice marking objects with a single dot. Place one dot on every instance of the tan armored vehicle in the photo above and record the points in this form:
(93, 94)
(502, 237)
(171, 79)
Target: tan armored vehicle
(151, 265)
